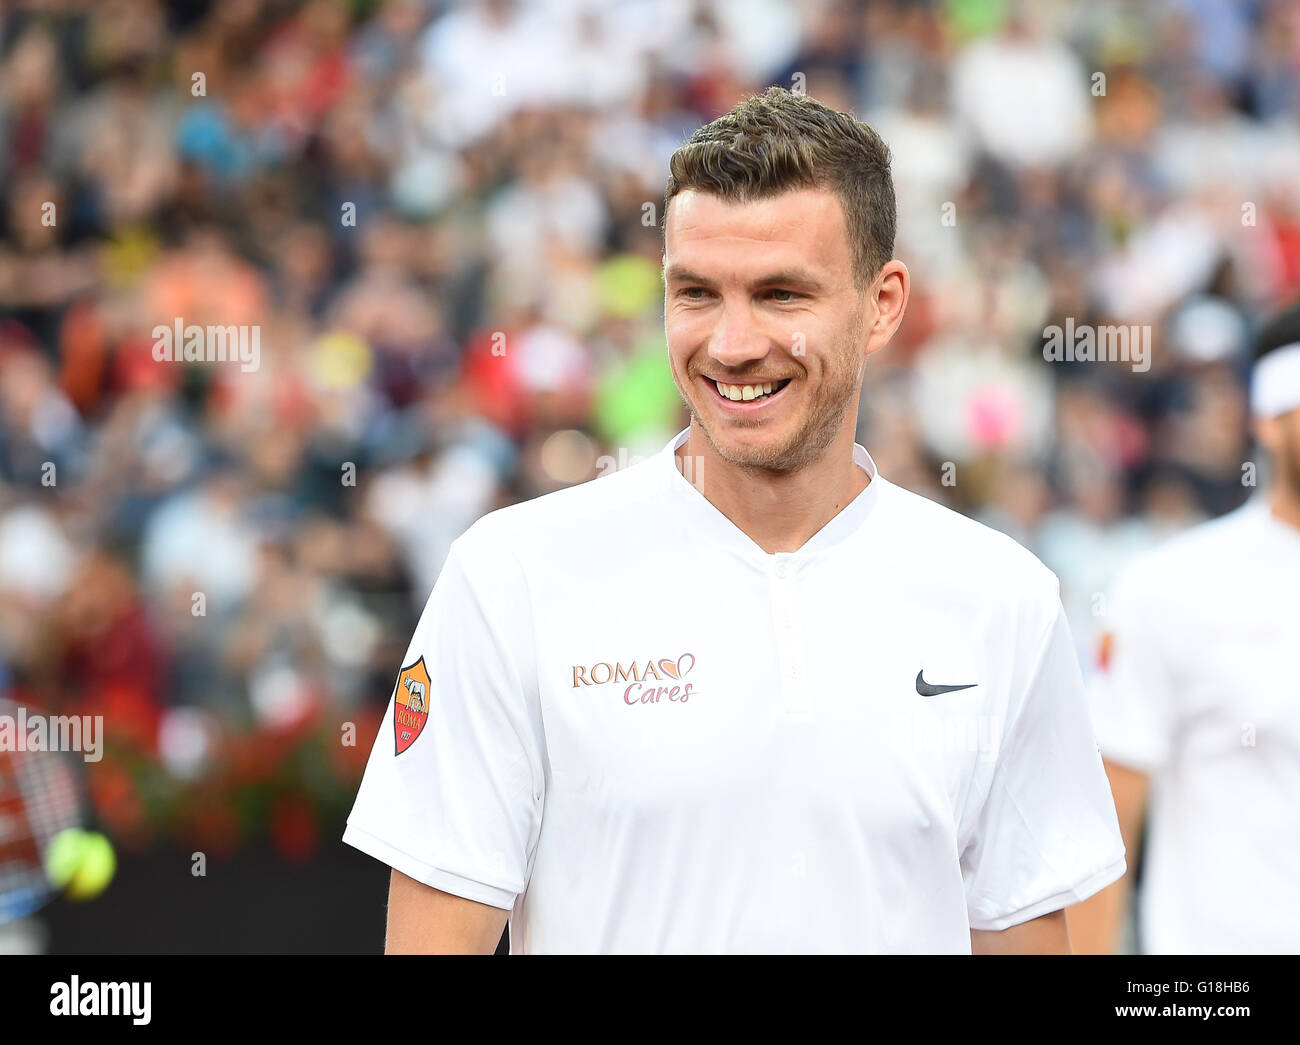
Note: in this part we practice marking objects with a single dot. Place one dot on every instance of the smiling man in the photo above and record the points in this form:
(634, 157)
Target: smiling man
(783, 705)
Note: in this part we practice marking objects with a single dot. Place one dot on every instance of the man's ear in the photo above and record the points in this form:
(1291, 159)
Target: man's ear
(889, 293)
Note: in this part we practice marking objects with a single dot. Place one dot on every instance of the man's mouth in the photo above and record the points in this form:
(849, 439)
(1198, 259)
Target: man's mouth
(748, 393)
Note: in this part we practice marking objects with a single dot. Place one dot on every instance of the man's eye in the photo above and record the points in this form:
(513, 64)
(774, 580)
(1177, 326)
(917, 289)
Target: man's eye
(784, 295)
(694, 293)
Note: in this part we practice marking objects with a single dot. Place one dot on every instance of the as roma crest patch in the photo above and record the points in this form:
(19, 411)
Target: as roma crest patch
(411, 705)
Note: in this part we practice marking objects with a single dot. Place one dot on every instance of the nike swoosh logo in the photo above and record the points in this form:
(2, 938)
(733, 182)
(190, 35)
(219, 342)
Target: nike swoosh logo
(926, 690)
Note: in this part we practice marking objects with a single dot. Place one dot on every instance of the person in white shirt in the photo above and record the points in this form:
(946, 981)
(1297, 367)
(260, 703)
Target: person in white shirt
(746, 695)
(1197, 709)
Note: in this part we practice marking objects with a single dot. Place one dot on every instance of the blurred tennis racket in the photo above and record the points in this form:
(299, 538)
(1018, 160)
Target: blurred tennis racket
(40, 795)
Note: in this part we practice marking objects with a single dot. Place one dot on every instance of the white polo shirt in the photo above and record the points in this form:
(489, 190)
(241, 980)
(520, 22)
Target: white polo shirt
(646, 734)
(1202, 693)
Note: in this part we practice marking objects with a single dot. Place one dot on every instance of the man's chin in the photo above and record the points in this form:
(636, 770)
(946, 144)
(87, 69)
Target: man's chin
(752, 448)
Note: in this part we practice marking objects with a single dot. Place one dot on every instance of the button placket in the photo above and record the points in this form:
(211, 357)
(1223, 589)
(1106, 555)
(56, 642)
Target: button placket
(789, 640)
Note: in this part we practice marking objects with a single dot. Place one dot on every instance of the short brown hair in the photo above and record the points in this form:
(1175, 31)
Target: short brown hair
(779, 141)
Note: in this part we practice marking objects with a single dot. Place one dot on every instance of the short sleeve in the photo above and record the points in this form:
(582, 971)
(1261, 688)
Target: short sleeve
(1132, 691)
(1047, 835)
(457, 802)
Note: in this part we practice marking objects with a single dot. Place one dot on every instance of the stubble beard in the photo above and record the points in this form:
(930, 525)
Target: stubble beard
(817, 430)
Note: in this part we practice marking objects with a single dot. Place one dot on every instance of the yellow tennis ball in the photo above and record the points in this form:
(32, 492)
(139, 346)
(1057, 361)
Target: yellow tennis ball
(64, 856)
(98, 863)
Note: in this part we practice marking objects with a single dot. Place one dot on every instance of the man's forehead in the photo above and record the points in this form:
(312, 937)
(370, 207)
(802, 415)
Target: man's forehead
(804, 226)
(796, 214)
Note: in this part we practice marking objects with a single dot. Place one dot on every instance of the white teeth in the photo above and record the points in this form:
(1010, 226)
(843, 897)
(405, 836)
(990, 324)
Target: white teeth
(744, 393)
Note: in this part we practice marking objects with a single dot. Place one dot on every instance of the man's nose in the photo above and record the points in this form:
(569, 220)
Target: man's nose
(736, 339)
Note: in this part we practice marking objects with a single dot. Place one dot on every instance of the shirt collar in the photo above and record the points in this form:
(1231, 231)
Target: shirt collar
(706, 519)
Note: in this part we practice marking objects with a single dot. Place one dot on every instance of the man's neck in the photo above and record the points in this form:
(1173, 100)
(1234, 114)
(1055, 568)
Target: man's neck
(779, 512)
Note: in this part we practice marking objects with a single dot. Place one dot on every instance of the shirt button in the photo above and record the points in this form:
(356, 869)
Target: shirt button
(794, 671)
(780, 570)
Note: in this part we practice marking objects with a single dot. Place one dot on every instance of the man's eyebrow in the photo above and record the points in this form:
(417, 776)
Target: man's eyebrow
(799, 277)
(680, 274)
(783, 277)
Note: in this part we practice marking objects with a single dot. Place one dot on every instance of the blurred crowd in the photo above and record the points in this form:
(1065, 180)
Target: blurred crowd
(444, 220)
